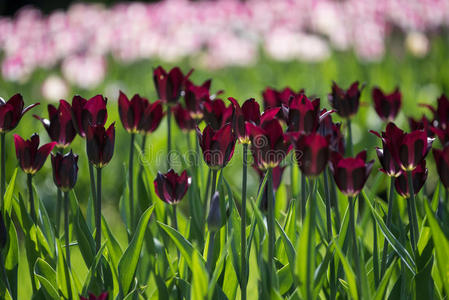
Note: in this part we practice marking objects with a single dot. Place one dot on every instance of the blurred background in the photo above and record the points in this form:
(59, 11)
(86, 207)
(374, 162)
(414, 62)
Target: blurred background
(51, 50)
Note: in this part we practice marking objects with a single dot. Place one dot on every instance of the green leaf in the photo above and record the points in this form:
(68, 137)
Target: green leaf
(7, 201)
(12, 256)
(86, 242)
(63, 277)
(114, 249)
(47, 277)
(350, 275)
(200, 279)
(128, 262)
(291, 252)
(93, 268)
(441, 247)
(382, 288)
(395, 244)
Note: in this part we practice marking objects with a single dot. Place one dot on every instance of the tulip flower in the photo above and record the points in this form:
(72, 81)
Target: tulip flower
(87, 112)
(273, 98)
(216, 114)
(171, 188)
(183, 118)
(194, 96)
(169, 85)
(387, 105)
(303, 114)
(419, 176)
(442, 163)
(312, 153)
(441, 113)
(328, 128)
(59, 124)
(31, 158)
(217, 145)
(102, 296)
(421, 124)
(100, 148)
(386, 159)
(11, 112)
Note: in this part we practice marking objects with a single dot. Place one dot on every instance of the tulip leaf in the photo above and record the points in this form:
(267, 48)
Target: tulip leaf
(200, 279)
(86, 242)
(441, 247)
(395, 244)
(114, 249)
(47, 277)
(350, 275)
(7, 200)
(12, 256)
(289, 249)
(93, 268)
(128, 262)
(382, 288)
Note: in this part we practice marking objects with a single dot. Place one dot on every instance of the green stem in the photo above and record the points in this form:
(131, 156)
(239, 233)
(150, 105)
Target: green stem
(206, 191)
(58, 211)
(414, 218)
(66, 228)
(375, 254)
(334, 202)
(175, 218)
(243, 223)
(311, 241)
(270, 225)
(391, 197)
(92, 183)
(352, 222)
(303, 196)
(30, 190)
(3, 167)
(332, 283)
(210, 251)
(98, 212)
(213, 187)
(168, 136)
(349, 145)
(131, 181)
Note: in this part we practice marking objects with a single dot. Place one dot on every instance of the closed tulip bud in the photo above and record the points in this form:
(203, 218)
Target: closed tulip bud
(11, 112)
(194, 96)
(216, 114)
(171, 187)
(387, 105)
(303, 114)
(214, 221)
(59, 124)
(102, 296)
(345, 102)
(217, 145)
(65, 170)
(442, 163)
(3, 233)
(169, 85)
(88, 112)
(31, 158)
(100, 144)
(350, 173)
(312, 153)
(183, 118)
(419, 176)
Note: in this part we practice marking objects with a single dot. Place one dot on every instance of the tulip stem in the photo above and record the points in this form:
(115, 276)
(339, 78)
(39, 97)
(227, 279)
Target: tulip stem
(213, 187)
(175, 217)
(270, 225)
(98, 212)
(413, 217)
(58, 210)
(243, 222)
(131, 181)
(168, 136)
(30, 190)
(92, 183)
(303, 196)
(311, 241)
(333, 194)
(210, 251)
(3, 160)
(388, 224)
(352, 222)
(349, 143)
(333, 286)
(66, 228)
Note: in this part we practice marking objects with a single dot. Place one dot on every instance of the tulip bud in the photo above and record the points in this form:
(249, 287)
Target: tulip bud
(100, 144)
(345, 102)
(214, 221)
(387, 105)
(171, 187)
(217, 146)
(65, 170)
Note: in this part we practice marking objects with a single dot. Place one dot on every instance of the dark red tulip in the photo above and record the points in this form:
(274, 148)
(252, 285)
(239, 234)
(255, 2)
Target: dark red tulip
(171, 187)
(217, 145)
(442, 162)
(194, 96)
(350, 173)
(86, 112)
(346, 103)
(303, 114)
(12, 111)
(408, 149)
(169, 85)
(65, 170)
(151, 118)
(100, 144)
(59, 124)
(31, 158)
(183, 118)
(441, 113)
(328, 128)
(421, 124)
(442, 134)
(102, 296)
(387, 105)
(385, 154)
(273, 98)
(269, 144)
(311, 152)
(216, 114)
(419, 176)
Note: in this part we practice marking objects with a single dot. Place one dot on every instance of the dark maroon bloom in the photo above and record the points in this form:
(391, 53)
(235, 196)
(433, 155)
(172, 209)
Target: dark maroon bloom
(311, 152)
(419, 176)
(102, 296)
(59, 124)
(303, 114)
(387, 105)
(422, 124)
(350, 173)
(12, 111)
(346, 103)
(65, 170)
(328, 128)
(442, 134)
(31, 157)
(386, 159)
(194, 96)
(442, 162)
(269, 144)
(100, 144)
(86, 112)
(169, 85)
(171, 187)
(216, 114)
(441, 113)
(217, 145)
(273, 98)
(183, 118)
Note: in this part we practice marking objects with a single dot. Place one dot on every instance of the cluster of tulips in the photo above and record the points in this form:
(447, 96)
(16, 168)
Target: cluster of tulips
(290, 120)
